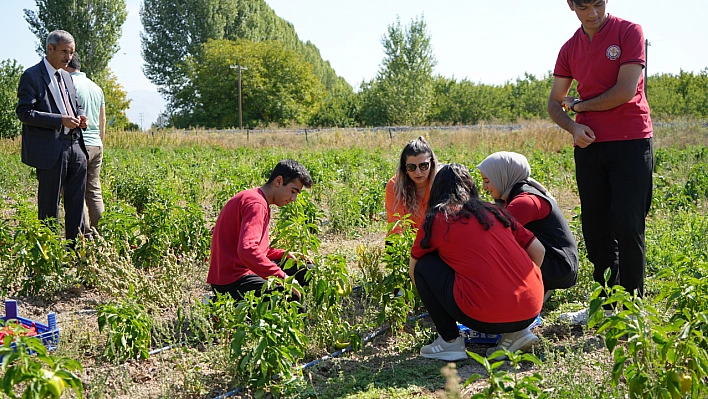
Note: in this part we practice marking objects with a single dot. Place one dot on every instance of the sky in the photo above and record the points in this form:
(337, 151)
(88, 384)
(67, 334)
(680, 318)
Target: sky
(484, 41)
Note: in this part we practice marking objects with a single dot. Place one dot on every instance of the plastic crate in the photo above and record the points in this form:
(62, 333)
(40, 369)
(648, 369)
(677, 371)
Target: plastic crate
(47, 333)
(473, 337)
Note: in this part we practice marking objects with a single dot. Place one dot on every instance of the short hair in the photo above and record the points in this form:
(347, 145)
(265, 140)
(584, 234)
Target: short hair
(582, 2)
(290, 170)
(75, 62)
(58, 36)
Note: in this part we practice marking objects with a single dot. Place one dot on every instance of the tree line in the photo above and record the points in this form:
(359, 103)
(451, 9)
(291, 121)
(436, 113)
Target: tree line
(190, 46)
(189, 49)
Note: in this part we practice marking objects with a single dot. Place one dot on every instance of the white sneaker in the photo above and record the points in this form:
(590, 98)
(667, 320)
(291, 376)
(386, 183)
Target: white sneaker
(443, 350)
(514, 341)
(580, 317)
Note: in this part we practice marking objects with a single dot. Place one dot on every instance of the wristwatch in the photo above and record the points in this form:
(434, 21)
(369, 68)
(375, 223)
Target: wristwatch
(572, 105)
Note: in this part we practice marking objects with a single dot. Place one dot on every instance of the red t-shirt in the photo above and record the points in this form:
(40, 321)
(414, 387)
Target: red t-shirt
(240, 244)
(595, 65)
(495, 280)
(526, 208)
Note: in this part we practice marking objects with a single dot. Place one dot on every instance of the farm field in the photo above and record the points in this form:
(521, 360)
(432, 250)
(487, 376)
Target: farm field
(143, 279)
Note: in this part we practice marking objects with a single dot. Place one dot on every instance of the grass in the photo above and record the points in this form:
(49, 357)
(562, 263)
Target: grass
(350, 169)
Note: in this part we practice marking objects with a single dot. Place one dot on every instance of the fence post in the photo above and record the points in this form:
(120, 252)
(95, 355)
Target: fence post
(306, 138)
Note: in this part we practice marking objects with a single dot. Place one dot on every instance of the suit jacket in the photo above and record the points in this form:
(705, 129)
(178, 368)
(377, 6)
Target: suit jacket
(38, 110)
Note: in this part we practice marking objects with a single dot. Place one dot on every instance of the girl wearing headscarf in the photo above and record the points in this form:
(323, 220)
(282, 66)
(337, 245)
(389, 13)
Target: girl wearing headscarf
(506, 176)
(408, 190)
(473, 263)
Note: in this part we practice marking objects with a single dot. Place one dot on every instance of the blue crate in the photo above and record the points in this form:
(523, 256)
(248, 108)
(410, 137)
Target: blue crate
(473, 337)
(47, 333)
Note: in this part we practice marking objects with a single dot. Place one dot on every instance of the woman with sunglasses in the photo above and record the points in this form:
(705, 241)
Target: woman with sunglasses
(408, 190)
(473, 263)
(506, 176)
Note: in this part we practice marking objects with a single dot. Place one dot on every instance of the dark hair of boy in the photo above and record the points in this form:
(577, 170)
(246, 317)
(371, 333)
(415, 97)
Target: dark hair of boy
(291, 170)
(75, 62)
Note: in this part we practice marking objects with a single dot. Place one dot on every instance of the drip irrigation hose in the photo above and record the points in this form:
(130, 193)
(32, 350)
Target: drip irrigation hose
(166, 348)
(364, 340)
(333, 354)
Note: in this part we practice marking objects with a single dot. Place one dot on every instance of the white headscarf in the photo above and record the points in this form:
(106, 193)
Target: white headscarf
(504, 169)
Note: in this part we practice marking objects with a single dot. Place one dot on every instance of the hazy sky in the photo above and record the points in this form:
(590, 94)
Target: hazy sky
(484, 41)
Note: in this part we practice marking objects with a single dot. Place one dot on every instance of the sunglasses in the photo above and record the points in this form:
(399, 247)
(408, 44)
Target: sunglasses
(411, 167)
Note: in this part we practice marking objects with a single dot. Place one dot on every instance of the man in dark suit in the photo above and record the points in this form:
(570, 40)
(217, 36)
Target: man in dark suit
(52, 141)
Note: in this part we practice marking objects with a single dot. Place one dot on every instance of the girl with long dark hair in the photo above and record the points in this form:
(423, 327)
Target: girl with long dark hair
(472, 263)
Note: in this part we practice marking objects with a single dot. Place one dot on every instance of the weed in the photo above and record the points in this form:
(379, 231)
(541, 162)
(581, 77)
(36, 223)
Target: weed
(503, 384)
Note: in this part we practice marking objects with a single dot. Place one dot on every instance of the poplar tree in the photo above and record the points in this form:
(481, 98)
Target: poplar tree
(95, 24)
(175, 30)
(406, 74)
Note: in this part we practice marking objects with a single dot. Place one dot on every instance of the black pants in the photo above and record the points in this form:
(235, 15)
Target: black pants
(68, 173)
(253, 282)
(615, 187)
(435, 280)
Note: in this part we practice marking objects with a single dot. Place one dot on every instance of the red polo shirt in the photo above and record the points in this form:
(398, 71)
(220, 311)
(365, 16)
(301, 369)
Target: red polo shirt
(595, 65)
(240, 244)
(495, 280)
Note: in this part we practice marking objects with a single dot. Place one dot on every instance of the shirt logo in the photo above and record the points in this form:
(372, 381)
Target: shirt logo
(613, 52)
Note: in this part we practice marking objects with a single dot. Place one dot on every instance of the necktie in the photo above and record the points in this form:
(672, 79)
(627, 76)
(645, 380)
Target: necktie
(64, 95)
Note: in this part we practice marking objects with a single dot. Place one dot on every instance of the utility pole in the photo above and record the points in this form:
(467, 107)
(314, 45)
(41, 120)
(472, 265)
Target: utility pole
(240, 118)
(141, 116)
(646, 62)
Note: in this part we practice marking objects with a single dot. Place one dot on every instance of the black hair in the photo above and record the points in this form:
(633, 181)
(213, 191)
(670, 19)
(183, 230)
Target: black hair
(290, 170)
(75, 62)
(455, 195)
(583, 2)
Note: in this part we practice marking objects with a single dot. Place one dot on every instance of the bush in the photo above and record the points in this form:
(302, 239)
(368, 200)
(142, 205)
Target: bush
(10, 72)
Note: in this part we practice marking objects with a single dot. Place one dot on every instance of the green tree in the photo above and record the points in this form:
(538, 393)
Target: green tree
(95, 24)
(10, 72)
(406, 73)
(685, 94)
(530, 96)
(339, 109)
(278, 87)
(116, 102)
(175, 30)
(370, 99)
(467, 103)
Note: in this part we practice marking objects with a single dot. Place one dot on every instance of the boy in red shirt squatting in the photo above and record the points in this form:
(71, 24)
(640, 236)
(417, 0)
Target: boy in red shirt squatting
(241, 256)
(473, 263)
(612, 132)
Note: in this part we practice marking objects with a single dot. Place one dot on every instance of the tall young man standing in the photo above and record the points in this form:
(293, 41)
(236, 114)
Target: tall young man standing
(241, 256)
(612, 132)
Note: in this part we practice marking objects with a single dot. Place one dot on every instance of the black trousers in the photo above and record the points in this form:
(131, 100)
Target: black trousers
(68, 173)
(253, 282)
(435, 280)
(615, 187)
